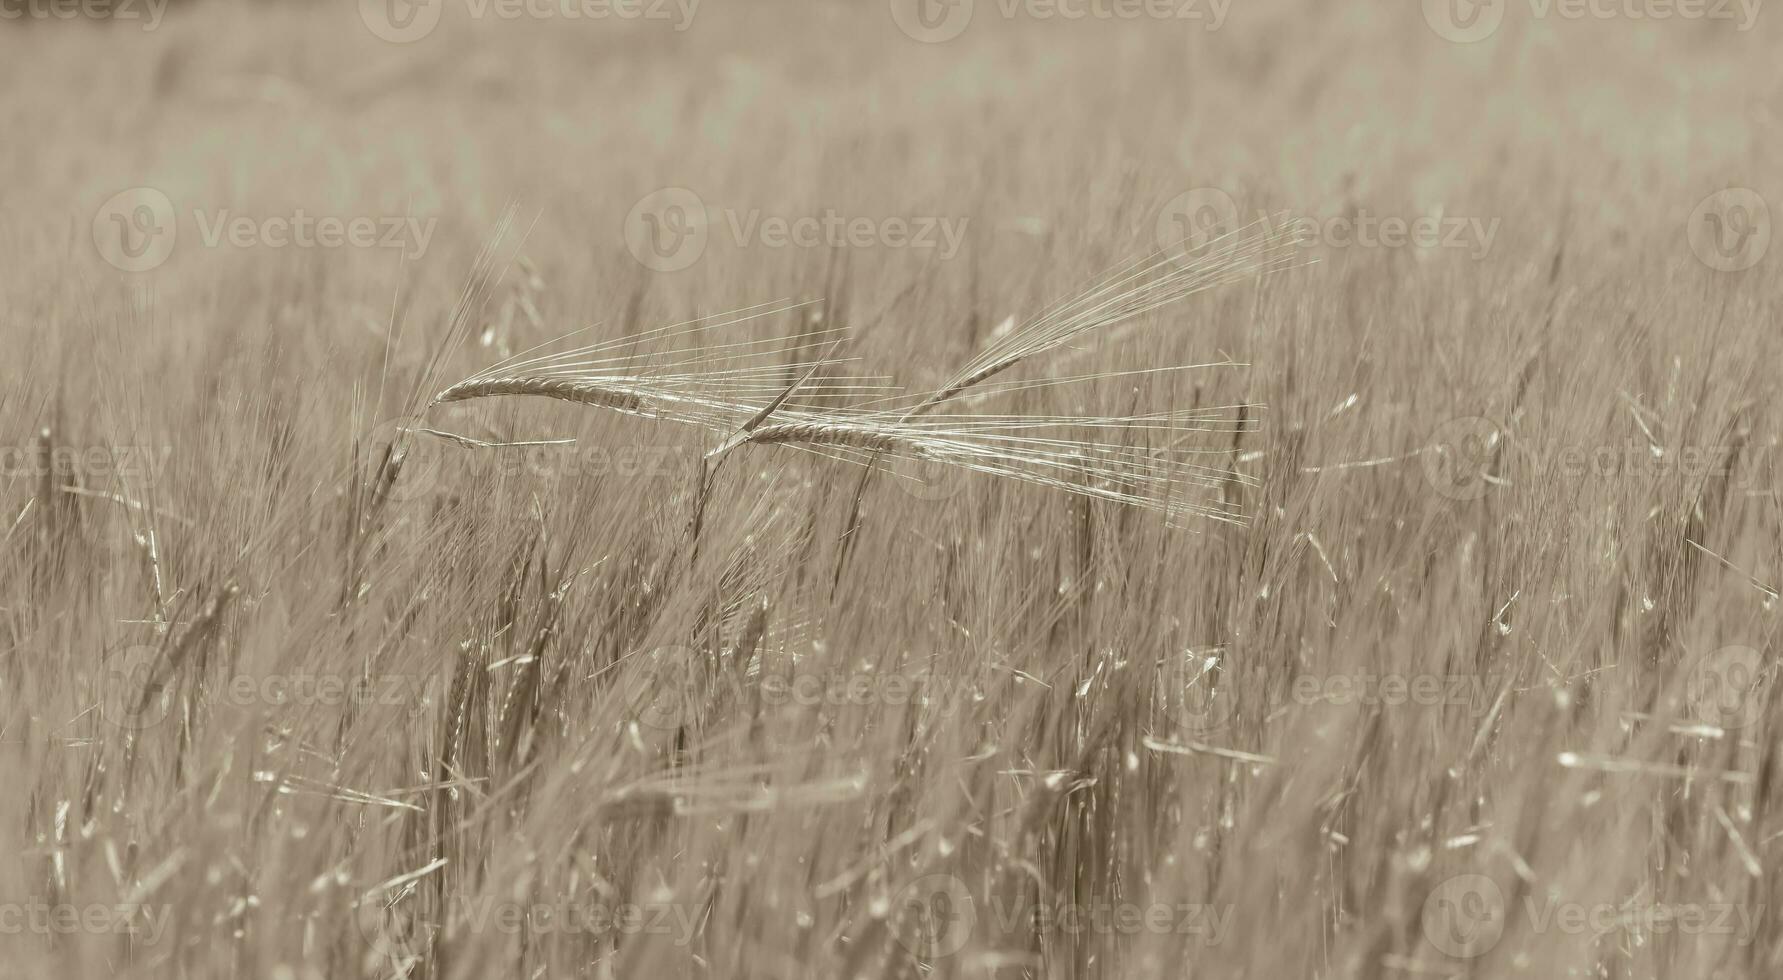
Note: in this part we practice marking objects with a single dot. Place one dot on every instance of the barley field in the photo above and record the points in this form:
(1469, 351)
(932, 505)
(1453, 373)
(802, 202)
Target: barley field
(990, 488)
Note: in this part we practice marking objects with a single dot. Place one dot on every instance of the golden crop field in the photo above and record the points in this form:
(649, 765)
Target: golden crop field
(899, 489)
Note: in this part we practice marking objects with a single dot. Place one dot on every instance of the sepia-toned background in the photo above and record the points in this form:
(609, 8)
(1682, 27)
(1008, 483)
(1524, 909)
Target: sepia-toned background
(1483, 686)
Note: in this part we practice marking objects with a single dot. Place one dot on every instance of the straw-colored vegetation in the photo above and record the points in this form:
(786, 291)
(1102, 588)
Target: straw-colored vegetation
(1058, 608)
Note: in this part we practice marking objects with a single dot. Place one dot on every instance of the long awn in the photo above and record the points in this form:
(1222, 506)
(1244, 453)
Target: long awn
(793, 391)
